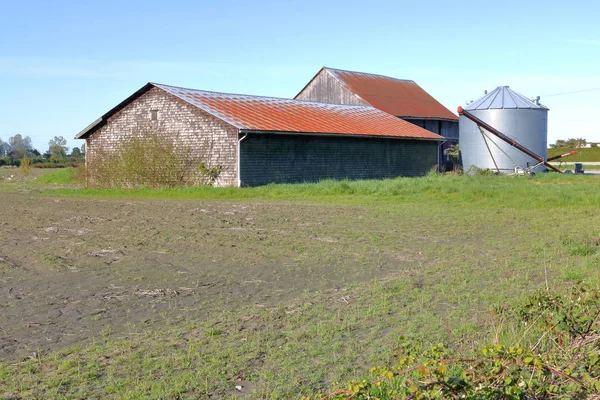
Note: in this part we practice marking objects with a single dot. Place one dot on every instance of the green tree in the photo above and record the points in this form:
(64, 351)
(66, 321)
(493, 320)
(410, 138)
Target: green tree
(19, 146)
(58, 148)
(76, 152)
(560, 144)
(4, 148)
(580, 142)
(453, 152)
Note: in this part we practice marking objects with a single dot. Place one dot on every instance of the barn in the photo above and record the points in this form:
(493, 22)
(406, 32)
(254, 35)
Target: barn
(402, 98)
(259, 140)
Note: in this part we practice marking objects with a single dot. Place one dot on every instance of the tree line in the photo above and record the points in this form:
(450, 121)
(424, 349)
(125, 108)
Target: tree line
(19, 147)
(571, 144)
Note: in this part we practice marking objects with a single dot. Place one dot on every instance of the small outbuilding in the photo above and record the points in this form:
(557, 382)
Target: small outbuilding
(259, 140)
(399, 97)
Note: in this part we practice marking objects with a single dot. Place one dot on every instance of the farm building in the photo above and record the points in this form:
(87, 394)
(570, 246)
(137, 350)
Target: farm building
(258, 140)
(402, 98)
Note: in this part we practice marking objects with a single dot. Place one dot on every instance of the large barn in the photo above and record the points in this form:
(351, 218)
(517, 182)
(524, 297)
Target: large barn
(259, 140)
(402, 98)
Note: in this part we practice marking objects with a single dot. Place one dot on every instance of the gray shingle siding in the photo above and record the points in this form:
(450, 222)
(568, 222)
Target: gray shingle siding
(267, 158)
(204, 133)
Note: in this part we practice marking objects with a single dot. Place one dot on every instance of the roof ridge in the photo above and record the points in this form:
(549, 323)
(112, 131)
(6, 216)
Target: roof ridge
(369, 73)
(160, 85)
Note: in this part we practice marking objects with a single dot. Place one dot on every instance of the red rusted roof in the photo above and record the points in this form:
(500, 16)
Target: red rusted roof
(257, 113)
(402, 98)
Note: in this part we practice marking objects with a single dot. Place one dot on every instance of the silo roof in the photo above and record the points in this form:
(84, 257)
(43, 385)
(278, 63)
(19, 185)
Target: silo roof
(504, 97)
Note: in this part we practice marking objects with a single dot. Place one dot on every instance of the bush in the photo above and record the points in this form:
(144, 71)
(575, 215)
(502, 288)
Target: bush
(473, 170)
(68, 164)
(453, 152)
(24, 166)
(152, 159)
(562, 362)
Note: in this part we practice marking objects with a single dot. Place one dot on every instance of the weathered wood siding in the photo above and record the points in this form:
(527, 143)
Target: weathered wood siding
(324, 88)
(280, 158)
(211, 137)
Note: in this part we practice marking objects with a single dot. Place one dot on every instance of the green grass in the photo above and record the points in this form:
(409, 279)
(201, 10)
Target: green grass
(544, 191)
(11, 179)
(571, 166)
(486, 242)
(590, 154)
(59, 176)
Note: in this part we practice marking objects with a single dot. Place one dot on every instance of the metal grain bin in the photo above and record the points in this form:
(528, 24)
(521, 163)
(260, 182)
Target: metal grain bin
(514, 115)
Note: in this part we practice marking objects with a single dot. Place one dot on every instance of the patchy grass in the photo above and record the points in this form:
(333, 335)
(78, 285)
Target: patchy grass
(282, 290)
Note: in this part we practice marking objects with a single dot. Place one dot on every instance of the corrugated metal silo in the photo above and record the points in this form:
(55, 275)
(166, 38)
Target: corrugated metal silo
(515, 116)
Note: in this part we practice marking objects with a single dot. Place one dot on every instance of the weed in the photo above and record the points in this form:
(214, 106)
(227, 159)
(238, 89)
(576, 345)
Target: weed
(25, 166)
(213, 332)
(583, 250)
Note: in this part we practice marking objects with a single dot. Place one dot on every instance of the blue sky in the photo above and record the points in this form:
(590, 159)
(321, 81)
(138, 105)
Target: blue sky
(63, 64)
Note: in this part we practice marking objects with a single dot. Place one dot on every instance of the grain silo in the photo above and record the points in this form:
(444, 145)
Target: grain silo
(517, 117)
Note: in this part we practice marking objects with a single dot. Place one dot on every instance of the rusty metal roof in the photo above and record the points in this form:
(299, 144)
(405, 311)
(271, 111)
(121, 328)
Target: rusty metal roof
(271, 114)
(258, 113)
(402, 98)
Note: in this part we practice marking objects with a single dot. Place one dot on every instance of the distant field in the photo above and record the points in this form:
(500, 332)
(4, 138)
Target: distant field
(591, 154)
(280, 290)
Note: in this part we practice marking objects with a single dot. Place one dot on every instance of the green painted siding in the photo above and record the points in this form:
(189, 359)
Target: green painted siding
(267, 158)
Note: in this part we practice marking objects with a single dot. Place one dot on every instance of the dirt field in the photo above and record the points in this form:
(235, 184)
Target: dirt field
(70, 268)
(283, 291)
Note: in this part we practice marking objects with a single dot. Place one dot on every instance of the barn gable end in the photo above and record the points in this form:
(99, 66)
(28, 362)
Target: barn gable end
(175, 117)
(399, 97)
(325, 88)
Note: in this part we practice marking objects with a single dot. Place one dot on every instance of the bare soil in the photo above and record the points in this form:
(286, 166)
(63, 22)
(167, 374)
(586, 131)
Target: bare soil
(71, 268)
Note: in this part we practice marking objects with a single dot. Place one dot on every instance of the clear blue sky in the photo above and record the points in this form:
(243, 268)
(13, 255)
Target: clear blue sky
(63, 64)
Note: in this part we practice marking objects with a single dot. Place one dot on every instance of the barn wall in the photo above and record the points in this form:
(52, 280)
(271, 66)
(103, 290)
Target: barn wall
(206, 134)
(267, 158)
(448, 129)
(324, 88)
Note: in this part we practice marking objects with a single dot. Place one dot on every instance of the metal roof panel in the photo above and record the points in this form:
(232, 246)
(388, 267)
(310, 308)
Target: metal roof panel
(402, 98)
(258, 113)
(503, 97)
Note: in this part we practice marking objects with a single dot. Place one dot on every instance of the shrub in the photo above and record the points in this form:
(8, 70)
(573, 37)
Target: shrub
(473, 170)
(25, 166)
(73, 164)
(562, 362)
(151, 159)
(453, 152)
